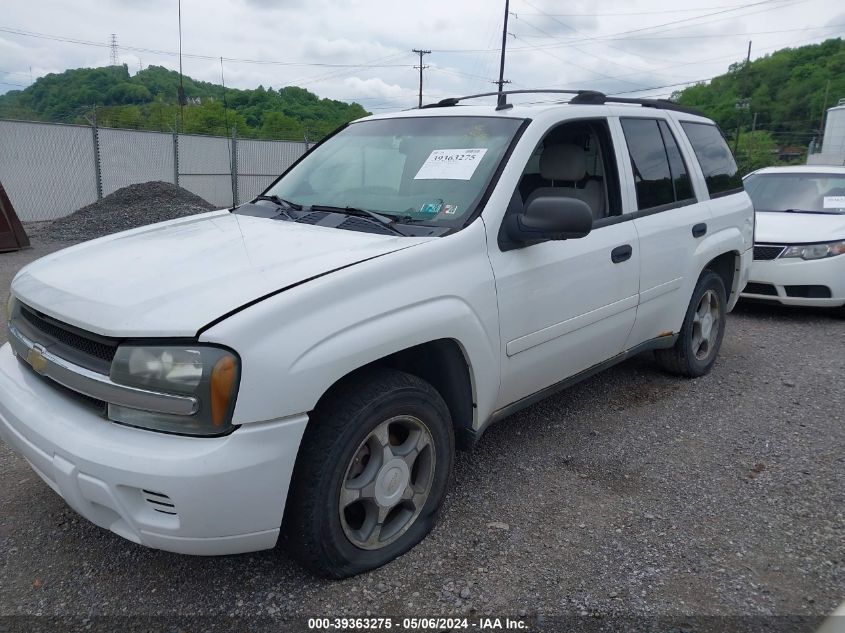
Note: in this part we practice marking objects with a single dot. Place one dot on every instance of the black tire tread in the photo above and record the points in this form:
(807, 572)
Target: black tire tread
(327, 422)
(674, 360)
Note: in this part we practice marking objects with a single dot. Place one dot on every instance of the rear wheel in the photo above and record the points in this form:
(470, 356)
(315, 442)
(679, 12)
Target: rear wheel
(371, 474)
(700, 338)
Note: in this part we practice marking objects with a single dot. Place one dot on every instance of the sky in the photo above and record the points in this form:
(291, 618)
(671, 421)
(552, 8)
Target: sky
(361, 50)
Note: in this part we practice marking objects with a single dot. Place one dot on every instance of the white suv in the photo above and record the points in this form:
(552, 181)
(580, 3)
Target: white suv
(306, 363)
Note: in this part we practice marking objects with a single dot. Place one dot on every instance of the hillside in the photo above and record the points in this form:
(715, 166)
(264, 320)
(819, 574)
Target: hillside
(786, 89)
(149, 100)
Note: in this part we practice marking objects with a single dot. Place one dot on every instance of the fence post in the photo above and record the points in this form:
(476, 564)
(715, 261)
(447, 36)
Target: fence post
(95, 134)
(234, 159)
(176, 158)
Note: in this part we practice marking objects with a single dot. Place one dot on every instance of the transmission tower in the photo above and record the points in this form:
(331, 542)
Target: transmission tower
(114, 60)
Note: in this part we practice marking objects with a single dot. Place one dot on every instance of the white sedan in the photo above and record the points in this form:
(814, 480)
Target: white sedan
(800, 236)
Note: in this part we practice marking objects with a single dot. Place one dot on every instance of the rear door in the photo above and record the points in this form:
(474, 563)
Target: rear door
(670, 221)
(730, 207)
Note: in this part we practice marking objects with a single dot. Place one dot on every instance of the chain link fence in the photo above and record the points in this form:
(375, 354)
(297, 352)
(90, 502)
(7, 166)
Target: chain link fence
(50, 170)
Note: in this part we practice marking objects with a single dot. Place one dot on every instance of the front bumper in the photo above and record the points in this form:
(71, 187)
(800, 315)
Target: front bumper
(777, 274)
(188, 495)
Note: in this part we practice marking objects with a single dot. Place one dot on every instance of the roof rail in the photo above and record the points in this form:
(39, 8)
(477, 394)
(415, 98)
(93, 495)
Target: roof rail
(581, 97)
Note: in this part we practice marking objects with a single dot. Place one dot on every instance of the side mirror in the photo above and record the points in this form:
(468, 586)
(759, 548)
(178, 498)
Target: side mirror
(549, 218)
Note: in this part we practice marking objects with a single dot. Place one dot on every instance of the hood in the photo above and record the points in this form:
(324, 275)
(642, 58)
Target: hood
(171, 279)
(777, 227)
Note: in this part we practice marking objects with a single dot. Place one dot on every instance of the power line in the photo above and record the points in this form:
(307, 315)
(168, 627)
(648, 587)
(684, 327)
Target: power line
(581, 50)
(215, 58)
(590, 37)
(786, 3)
(660, 12)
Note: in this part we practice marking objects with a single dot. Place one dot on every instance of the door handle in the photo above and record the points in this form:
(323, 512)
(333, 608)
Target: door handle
(621, 253)
(699, 229)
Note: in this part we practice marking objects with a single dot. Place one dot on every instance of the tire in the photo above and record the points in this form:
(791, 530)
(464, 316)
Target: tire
(693, 355)
(365, 432)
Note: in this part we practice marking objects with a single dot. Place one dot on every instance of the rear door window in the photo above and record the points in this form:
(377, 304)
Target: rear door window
(717, 163)
(680, 176)
(649, 163)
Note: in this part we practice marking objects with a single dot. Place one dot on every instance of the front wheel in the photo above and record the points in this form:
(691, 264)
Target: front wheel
(371, 474)
(700, 338)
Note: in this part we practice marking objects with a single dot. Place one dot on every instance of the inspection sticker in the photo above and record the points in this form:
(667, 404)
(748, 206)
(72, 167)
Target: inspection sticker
(431, 207)
(834, 202)
(451, 164)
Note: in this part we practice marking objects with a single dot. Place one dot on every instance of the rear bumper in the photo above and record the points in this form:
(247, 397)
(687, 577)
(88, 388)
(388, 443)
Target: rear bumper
(181, 494)
(777, 274)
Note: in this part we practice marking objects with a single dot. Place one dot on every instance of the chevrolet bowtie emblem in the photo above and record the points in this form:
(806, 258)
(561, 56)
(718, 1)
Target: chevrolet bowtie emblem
(35, 357)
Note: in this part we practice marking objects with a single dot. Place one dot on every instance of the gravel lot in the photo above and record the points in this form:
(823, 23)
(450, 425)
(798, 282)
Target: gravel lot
(632, 494)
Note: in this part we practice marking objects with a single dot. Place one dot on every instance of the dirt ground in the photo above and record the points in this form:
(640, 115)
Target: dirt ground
(633, 494)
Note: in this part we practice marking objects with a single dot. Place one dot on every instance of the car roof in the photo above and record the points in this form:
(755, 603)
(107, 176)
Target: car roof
(801, 169)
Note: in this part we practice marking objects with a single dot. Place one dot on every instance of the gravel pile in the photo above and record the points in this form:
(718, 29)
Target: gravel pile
(127, 208)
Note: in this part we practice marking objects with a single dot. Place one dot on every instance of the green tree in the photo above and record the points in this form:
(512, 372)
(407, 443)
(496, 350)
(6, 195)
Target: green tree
(756, 150)
(149, 100)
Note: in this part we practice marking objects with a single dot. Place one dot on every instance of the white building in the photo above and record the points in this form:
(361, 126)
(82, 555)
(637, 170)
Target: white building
(833, 144)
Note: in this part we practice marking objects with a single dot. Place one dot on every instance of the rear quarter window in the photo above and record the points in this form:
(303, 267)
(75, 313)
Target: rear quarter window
(717, 163)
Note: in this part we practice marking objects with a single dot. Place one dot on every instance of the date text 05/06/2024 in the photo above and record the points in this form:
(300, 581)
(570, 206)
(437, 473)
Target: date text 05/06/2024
(417, 624)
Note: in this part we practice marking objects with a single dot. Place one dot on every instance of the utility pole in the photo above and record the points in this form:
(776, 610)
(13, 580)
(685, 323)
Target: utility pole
(502, 99)
(743, 103)
(421, 52)
(824, 107)
(182, 99)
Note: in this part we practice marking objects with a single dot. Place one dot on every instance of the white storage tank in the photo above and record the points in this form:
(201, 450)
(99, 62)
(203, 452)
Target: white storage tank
(833, 143)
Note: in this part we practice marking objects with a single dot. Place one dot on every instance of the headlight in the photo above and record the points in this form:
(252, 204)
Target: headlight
(210, 374)
(815, 251)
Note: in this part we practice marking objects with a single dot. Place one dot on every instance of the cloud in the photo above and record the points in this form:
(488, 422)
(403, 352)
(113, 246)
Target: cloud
(464, 36)
(374, 87)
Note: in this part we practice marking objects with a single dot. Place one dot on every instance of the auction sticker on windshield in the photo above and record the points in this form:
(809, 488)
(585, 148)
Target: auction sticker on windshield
(451, 164)
(834, 202)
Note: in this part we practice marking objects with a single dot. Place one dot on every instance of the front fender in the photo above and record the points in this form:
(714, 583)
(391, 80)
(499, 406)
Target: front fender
(297, 344)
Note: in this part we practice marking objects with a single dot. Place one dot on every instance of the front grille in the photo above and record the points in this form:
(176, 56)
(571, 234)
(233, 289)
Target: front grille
(754, 288)
(97, 406)
(69, 337)
(767, 251)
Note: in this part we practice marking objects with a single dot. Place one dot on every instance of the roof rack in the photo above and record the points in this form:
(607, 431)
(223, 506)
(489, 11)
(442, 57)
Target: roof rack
(581, 97)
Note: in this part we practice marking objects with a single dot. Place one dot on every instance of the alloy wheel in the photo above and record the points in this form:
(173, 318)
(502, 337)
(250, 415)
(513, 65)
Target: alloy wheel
(387, 482)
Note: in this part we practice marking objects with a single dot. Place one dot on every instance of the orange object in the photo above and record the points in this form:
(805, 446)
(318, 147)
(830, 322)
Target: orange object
(223, 378)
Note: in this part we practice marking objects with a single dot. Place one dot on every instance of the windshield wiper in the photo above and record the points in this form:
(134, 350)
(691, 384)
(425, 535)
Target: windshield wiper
(281, 202)
(361, 213)
(284, 205)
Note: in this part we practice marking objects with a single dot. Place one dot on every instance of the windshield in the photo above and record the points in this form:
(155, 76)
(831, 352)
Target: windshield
(433, 170)
(810, 193)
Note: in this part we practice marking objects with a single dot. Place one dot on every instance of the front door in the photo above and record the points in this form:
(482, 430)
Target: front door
(565, 306)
